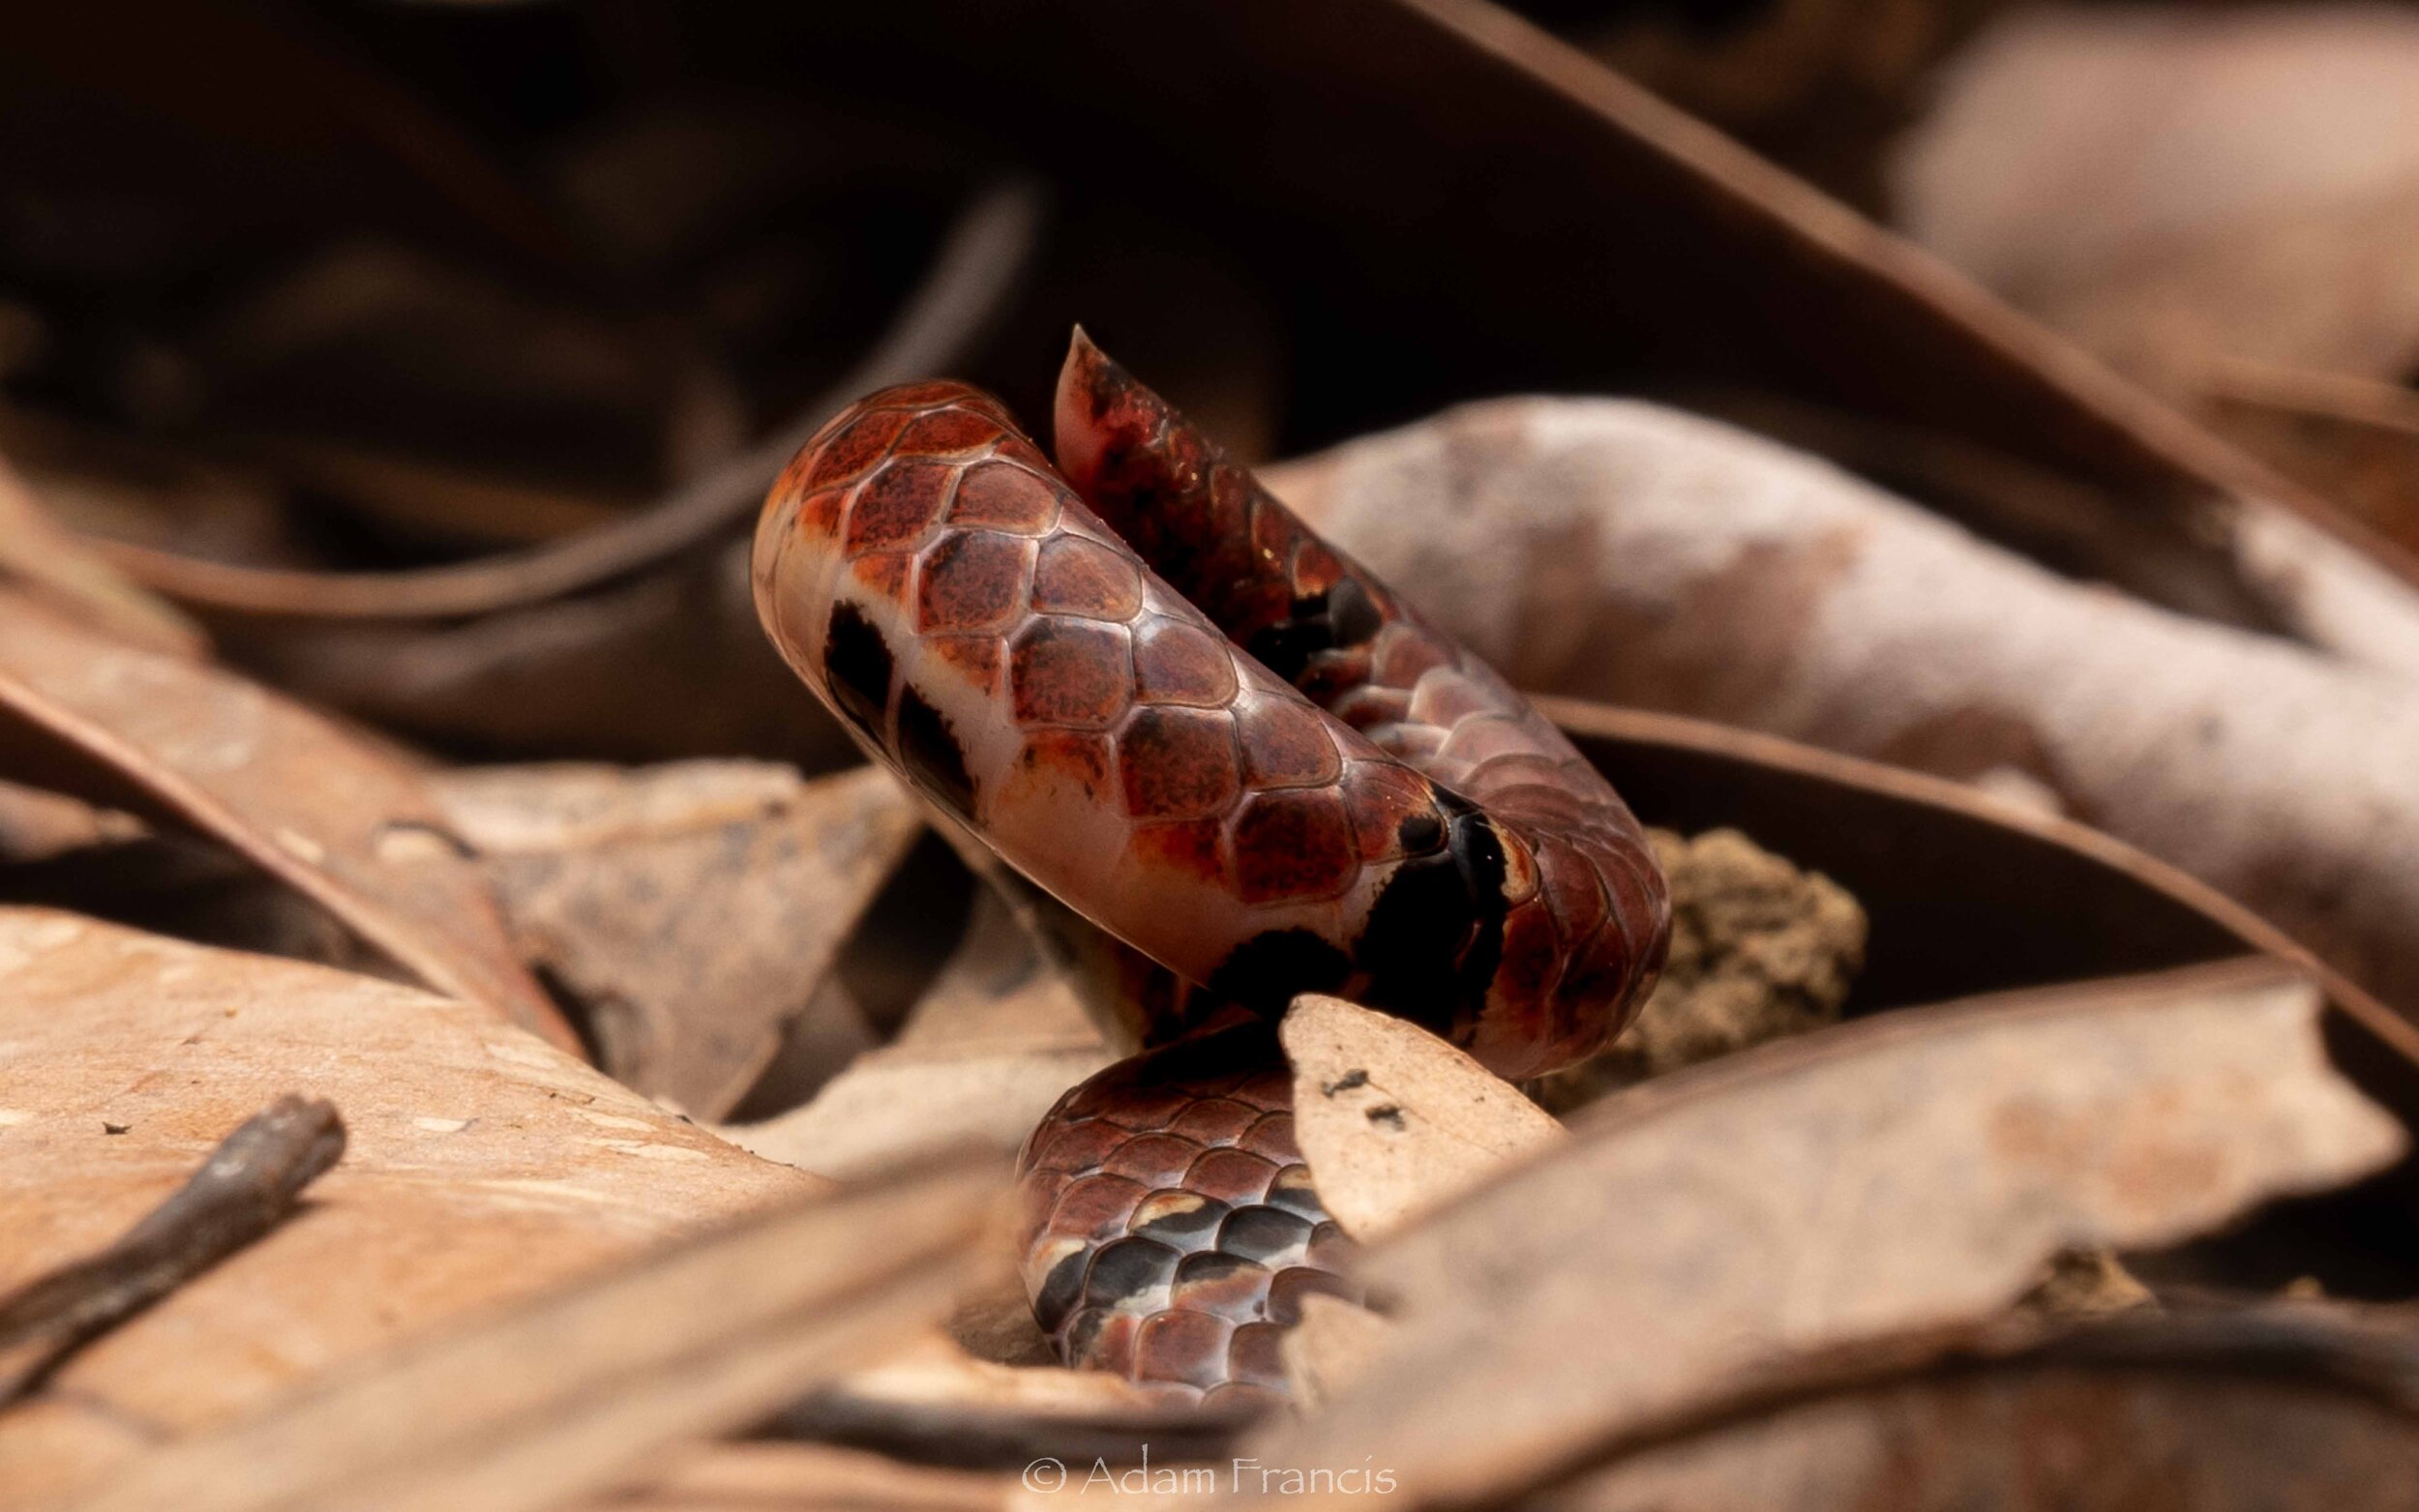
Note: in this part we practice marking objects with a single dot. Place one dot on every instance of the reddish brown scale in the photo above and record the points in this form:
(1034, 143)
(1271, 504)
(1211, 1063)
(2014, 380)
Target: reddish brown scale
(1580, 939)
(1427, 844)
(1171, 1230)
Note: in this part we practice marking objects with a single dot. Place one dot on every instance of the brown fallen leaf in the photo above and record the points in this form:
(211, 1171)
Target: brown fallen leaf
(727, 1477)
(243, 1189)
(48, 561)
(692, 911)
(1392, 1121)
(933, 1401)
(483, 1166)
(995, 1039)
(1752, 584)
(2232, 1412)
(2180, 186)
(2247, 189)
(1907, 1172)
(2355, 439)
(896, 1102)
(996, 989)
(1334, 1345)
(345, 825)
(37, 825)
(574, 1391)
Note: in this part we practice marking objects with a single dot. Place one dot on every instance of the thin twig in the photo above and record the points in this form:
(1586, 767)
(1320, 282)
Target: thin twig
(246, 1186)
(978, 266)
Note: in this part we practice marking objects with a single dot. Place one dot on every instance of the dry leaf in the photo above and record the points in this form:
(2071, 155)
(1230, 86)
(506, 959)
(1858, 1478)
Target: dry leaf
(992, 1043)
(345, 825)
(243, 1188)
(1906, 1172)
(1392, 1121)
(2222, 204)
(2174, 186)
(48, 561)
(729, 1477)
(1333, 1346)
(915, 1393)
(2354, 438)
(897, 1103)
(2234, 1414)
(996, 989)
(1748, 583)
(693, 910)
(483, 1166)
(576, 1390)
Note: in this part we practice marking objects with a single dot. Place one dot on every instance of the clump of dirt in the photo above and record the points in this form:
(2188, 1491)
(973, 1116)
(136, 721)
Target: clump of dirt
(1759, 950)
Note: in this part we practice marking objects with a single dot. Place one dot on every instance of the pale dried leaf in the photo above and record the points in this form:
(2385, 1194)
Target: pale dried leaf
(1754, 585)
(693, 908)
(1906, 1172)
(484, 1166)
(896, 1102)
(345, 825)
(747, 1476)
(2252, 1413)
(1333, 1346)
(997, 989)
(573, 1392)
(932, 1372)
(548, 808)
(36, 825)
(1391, 1119)
(2175, 185)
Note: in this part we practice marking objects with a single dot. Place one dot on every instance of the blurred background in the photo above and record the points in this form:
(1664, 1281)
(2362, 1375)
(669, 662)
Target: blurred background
(432, 354)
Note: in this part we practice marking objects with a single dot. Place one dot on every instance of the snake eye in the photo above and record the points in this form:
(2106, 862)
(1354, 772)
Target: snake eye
(1419, 833)
(1352, 615)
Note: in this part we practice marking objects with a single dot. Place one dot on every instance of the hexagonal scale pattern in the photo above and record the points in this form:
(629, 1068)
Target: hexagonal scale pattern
(1187, 692)
(1170, 1227)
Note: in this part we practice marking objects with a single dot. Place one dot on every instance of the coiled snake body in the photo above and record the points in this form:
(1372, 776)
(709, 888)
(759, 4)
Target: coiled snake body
(1151, 690)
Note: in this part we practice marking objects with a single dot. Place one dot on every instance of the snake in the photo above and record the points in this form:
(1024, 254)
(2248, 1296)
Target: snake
(1228, 765)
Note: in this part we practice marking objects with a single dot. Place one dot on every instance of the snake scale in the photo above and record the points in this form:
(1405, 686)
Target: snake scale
(1151, 690)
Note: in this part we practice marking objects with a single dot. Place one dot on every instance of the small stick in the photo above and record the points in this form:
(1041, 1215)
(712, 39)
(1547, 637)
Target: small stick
(246, 1186)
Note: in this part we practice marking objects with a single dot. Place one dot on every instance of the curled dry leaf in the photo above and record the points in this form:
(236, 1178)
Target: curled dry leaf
(1748, 583)
(1659, 226)
(1391, 1119)
(691, 909)
(483, 1166)
(344, 824)
(2242, 1413)
(1907, 1172)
